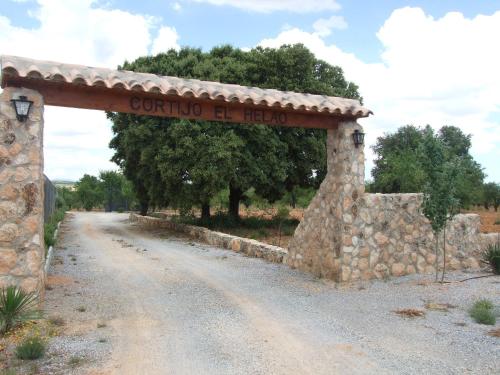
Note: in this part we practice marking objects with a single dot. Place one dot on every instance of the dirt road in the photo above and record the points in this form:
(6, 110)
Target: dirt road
(145, 302)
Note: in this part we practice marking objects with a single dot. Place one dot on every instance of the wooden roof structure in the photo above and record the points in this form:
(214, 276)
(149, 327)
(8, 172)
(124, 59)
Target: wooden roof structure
(86, 87)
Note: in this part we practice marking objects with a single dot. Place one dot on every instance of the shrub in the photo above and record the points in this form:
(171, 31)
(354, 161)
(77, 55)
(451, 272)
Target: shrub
(16, 306)
(75, 361)
(51, 226)
(482, 312)
(31, 348)
(492, 257)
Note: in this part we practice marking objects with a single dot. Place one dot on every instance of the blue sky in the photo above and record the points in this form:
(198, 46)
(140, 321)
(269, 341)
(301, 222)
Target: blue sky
(415, 61)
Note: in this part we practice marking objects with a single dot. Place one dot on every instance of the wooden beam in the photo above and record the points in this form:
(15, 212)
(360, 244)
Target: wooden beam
(142, 103)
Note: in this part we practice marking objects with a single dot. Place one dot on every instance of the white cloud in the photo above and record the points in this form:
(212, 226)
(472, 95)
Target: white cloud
(324, 26)
(76, 31)
(81, 32)
(166, 39)
(265, 6)
(177, 7)
(433, 71)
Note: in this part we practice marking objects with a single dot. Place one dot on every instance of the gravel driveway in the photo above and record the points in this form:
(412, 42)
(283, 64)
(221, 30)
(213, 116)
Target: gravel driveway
(139, 301)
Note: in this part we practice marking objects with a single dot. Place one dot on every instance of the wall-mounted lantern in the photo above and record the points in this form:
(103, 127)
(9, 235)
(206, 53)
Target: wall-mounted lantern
(358, 138)
(22, 106)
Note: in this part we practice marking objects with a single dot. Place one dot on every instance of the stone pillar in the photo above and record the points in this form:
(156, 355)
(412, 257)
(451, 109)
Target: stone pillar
(324, 237)
(21, 193)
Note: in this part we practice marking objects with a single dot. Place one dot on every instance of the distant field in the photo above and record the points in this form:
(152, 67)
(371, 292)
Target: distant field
(269, 232)
(488, 220)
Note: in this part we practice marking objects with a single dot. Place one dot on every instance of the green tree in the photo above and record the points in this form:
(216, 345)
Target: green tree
(89, 192)
(440, 200)
(491, 195)
(272, 160)
(401, 164)
(136, 141)
(66, 198)
(196, 162)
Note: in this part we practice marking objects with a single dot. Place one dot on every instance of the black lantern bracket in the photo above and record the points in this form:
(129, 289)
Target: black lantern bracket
(358, 138)
(22, 107)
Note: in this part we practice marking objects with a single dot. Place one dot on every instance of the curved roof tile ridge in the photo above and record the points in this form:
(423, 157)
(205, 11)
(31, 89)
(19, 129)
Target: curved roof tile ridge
(26, 68)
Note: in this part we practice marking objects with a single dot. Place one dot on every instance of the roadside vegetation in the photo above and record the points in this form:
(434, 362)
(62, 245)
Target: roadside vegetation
(16, 307)
(491, 257)
(208, 171)
(483, 312)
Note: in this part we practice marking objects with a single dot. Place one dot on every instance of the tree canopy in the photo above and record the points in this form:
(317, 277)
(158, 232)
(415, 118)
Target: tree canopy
(110, 189)
(185, 163)
(404, 164)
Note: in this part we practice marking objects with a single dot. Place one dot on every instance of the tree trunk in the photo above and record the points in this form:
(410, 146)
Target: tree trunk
(144, 208)
(294, 199)
(234, 202)
(205, 211)
(444, 253)
(437, 256)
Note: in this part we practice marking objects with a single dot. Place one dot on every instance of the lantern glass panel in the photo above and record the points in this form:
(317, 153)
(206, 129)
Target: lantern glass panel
(23, 107)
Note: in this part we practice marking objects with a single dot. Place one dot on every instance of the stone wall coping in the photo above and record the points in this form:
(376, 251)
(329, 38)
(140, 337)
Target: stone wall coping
(227, 241)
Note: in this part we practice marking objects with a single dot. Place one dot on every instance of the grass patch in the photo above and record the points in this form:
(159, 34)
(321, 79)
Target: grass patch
(248, 227)
(75, 361)
(8, 371)
(56, 321)
(30, 349)
(50, 228)
(482, 312)
(410, 313)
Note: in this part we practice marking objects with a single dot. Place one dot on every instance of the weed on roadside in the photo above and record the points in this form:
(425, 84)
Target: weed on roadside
(75, 361)
(482, 312)
(494, 332)
(31, 348)
(56, 321)
(410, 313)
(103, 340)
(101, 325)
(81, 309)
(444, 307)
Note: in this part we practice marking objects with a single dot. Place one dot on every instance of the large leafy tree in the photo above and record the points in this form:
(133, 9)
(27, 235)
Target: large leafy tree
(491, 195)
(89, 192)
(272, 160)
(401, 164)
(116, 190)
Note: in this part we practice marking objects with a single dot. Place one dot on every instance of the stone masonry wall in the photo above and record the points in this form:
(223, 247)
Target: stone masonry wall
(349, 235)
(21, 193)
(246, 246)
(394, 238)
(317, 245)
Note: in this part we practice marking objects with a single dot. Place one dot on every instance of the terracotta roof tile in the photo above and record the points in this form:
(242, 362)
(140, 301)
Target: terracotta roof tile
(20, 67)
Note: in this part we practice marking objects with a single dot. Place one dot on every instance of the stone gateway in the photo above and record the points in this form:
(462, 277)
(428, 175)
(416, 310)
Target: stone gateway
(345, 235)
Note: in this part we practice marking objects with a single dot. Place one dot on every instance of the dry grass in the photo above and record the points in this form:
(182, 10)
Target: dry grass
(494, 332)
(438, 306)
(410, 313)
(489, 218)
